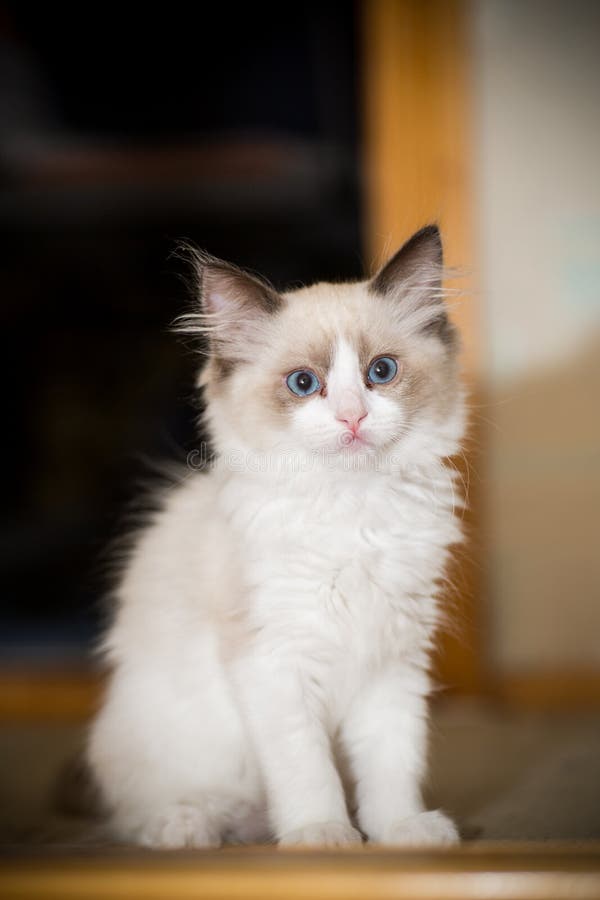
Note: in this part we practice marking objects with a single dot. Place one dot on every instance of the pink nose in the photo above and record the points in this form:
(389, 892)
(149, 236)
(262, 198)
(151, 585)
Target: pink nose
(352, 421)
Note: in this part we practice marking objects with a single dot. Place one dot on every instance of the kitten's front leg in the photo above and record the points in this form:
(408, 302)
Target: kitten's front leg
(385, 738)
(306, 799)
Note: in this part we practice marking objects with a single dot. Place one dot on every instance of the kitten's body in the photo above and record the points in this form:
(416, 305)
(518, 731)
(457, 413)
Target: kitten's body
(271, 643)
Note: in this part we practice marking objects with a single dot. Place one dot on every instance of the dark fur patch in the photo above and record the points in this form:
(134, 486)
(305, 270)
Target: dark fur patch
(223, 367)
(442, 328)
(316, 355)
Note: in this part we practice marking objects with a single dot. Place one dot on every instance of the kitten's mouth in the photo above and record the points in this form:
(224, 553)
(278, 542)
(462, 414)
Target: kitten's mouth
(351, 440)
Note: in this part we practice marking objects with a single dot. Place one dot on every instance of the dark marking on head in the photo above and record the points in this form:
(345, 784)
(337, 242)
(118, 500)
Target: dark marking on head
(316, 355)
(319, 356)
(223, 367)
(281, 400)
(441, 327)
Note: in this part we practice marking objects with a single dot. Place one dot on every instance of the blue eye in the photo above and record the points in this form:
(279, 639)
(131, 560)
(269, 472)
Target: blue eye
(382, 370)
(303, 382)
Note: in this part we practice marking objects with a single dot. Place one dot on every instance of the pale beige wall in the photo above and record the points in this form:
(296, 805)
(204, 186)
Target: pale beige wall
(537, 73)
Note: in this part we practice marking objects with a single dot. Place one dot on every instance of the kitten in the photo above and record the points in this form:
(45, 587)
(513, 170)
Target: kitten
(270, 647)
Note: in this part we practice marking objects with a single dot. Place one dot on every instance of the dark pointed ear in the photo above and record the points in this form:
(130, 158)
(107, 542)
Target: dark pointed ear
(420, 258)
(414, 276)
(235, 308)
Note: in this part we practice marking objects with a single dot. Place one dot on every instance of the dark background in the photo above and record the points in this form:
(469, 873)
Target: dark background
(123, 130)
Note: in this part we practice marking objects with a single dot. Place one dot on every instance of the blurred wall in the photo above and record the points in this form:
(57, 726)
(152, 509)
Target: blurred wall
(120, 134)
(537, 74)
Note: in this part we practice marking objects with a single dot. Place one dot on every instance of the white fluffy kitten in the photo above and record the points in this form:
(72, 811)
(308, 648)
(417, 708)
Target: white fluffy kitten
(270, 648)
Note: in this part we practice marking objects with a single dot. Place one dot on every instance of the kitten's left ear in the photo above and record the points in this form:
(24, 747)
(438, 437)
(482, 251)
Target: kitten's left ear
(415, 272)
(225, 290)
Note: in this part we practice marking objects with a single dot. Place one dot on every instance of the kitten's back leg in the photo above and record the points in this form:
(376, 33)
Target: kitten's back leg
(173, 827)
(171, 760)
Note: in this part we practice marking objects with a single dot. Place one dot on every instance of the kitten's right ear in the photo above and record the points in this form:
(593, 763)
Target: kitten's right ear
(226, 290)
(236, 306)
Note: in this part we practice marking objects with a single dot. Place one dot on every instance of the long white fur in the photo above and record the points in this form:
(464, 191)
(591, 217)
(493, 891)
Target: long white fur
(270, 648)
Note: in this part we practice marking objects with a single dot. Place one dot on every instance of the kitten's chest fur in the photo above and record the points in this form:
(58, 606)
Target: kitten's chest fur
(345, 561)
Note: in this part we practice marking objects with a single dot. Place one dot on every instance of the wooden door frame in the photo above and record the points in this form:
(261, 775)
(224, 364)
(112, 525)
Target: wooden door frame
(417, 168)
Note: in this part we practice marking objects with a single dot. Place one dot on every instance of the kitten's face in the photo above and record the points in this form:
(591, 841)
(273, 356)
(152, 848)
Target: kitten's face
(366, 370)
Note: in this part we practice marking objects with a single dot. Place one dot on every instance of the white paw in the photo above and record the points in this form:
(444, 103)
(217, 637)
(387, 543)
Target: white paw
(178, 826)
(322, 834)
(426, 829)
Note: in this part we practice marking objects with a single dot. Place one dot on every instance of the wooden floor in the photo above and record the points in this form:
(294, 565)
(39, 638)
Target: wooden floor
(506, 777)
(510, 872)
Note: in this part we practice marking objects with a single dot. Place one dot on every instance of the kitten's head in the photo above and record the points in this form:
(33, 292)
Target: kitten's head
(367, 368)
